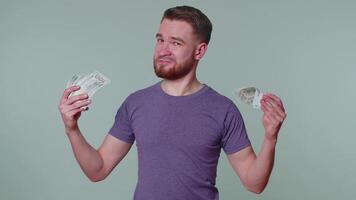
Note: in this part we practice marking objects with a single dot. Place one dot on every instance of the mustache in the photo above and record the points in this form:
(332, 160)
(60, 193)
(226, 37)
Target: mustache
(165, 58)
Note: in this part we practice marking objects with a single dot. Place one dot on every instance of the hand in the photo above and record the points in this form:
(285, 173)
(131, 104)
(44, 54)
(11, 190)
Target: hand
(71, 107)
(274, 115)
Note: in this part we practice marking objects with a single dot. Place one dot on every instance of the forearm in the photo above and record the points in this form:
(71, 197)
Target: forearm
(88, 158)
(261, 168)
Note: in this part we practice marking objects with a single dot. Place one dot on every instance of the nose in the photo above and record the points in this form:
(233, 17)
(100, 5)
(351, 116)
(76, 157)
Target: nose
(163, 49)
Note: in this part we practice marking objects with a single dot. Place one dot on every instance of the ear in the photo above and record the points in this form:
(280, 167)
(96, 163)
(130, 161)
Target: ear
(200, 51)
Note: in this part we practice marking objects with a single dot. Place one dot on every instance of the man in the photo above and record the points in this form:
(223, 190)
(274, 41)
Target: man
(179, 124)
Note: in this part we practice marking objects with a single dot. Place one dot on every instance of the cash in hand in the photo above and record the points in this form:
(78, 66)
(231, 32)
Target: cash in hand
(89, 83)
(250, 95)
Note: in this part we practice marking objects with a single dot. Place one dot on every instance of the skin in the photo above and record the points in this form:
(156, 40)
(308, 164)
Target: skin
(254, 171)
(176, 57)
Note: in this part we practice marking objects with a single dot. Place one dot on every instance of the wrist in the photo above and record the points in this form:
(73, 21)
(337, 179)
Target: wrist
(72, 130)
(271, 140)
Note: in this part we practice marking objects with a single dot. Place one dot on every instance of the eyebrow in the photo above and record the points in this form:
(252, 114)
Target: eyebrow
(178, 39)
(158, 35)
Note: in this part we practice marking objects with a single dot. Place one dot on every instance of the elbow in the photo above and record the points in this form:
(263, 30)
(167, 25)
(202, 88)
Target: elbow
(96, 179)
(256, 189)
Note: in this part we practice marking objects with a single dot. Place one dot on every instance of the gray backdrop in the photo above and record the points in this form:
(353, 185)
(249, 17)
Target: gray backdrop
(304, 51)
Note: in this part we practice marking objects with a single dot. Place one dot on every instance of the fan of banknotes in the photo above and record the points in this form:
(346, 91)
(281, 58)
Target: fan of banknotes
(250, 95)
(89, 83)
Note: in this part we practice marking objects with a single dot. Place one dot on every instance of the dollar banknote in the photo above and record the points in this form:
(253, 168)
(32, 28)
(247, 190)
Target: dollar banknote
(89, 83)
(72, 81)
(251, 96)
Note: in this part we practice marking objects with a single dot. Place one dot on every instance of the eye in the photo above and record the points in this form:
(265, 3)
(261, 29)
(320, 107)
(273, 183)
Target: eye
(159, 40)
(175, 43)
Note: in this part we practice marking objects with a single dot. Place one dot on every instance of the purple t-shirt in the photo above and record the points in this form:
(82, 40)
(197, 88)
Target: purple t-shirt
(179, 139)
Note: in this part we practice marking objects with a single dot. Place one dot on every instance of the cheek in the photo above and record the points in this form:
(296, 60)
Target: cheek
(156, 54)
(158, 47)
(188, 54)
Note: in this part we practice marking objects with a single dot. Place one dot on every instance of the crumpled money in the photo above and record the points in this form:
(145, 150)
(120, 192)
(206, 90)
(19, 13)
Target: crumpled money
(89, 83)
(250, 95)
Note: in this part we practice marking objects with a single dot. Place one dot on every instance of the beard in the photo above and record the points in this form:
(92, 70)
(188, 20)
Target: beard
(177, 71)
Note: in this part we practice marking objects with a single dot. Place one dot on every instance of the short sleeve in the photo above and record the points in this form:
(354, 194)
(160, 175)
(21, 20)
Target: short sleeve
(121, 128)
(234, 136)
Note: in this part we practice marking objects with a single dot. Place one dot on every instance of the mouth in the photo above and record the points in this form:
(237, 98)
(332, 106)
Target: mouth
(164, 61)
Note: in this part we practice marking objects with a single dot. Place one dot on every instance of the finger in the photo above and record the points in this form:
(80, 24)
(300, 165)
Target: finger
(271, 122)
(280, 111)
(76, 98)
(272, 118)
(79, 104)
(274, 98)
(74, 112)
(266, 106)
(277, 99)
(271, 102)
(67, 92)
(269, 119)
(271, 111)
(263, 106)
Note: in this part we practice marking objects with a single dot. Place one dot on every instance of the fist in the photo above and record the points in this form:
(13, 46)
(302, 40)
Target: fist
(71, 107)
(273, 115)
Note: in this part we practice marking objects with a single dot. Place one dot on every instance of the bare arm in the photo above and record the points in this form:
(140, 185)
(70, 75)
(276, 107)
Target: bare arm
(254, 171)
(96, 164)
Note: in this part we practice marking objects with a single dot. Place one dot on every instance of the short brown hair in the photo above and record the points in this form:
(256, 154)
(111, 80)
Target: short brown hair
(198, 20)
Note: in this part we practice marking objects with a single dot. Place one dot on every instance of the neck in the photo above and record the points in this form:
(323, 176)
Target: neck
(181, 87)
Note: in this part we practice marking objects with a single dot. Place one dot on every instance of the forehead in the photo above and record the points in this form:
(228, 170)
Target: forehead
(175, 28)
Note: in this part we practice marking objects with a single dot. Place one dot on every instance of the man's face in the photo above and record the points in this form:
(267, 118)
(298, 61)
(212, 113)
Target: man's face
(174, 52)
